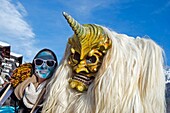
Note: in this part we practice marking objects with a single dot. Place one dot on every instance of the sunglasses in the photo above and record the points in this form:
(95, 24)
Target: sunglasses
(39, 62)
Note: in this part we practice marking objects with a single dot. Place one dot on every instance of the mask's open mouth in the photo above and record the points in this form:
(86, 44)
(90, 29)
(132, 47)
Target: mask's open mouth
(84, 79)
(81, 82)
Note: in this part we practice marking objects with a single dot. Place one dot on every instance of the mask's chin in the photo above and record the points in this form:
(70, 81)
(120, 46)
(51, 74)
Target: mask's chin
(80, 82)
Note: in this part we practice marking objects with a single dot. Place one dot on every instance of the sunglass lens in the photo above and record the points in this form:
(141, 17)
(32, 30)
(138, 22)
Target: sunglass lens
(50, 63)
(38, 62)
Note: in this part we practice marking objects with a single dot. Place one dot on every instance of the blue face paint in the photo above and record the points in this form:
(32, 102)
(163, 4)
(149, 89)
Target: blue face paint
(44, 71)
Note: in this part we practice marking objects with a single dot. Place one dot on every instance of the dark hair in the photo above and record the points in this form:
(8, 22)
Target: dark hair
(45, 49)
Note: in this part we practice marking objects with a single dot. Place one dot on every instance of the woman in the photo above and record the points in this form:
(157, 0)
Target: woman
(27, 92)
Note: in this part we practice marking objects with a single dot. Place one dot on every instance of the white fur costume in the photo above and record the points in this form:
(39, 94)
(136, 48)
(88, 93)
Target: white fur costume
(130, 80)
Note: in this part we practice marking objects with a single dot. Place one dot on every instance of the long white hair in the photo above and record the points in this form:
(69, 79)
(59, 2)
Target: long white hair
(130, 80)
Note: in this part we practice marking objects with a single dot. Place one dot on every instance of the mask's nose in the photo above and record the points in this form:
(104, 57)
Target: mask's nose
(82, 67)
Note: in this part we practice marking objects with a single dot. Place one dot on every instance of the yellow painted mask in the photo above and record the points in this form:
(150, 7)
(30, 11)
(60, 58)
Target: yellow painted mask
(89, 44)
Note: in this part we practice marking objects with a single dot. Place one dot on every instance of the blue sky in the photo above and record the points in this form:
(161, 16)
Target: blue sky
(30, 25)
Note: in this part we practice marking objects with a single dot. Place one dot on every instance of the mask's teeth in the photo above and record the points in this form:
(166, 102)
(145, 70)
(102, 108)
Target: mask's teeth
(86, 80)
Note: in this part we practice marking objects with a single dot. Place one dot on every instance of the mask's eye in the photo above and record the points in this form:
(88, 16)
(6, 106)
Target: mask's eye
(91, 59)
(76, 56)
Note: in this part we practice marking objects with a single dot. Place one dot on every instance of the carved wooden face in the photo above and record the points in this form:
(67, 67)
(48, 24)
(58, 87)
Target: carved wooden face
(84, 70)
(89, 44)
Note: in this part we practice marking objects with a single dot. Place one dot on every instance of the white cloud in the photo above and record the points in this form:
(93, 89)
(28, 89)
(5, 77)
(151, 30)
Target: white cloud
(21, 8)
(15, 30)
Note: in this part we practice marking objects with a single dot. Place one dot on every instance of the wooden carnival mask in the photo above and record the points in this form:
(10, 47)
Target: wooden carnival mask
(89, 44)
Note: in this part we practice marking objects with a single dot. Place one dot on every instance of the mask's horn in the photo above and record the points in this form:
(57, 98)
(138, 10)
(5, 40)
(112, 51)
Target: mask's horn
(78, 29)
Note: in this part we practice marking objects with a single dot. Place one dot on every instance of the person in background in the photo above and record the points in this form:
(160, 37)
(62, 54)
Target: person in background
(27, 92)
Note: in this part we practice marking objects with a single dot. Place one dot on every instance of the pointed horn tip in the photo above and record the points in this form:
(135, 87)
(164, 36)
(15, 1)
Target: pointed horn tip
(65, 14)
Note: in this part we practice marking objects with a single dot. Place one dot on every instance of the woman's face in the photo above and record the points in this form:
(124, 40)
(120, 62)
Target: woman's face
(44, 65)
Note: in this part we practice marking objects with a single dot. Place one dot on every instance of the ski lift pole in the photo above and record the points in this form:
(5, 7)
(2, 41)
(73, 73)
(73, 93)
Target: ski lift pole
(6, 92)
